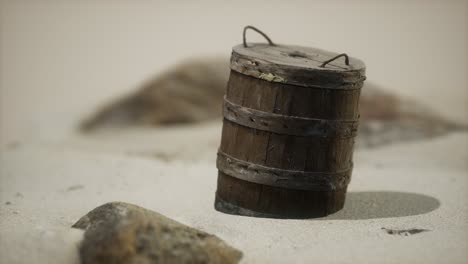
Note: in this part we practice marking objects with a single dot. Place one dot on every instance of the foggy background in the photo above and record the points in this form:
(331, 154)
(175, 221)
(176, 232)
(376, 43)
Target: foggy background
(60, 60)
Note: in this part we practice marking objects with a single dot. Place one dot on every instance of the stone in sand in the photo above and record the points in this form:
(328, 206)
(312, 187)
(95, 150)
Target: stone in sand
(124, 233)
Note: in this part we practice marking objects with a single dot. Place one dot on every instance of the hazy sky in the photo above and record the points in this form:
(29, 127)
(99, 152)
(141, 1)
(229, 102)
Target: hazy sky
(58, 59)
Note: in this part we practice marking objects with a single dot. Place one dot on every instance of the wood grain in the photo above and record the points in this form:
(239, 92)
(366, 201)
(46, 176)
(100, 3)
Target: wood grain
(287, 144)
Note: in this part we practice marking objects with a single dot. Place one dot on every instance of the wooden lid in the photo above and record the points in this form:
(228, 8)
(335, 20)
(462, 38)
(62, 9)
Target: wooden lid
(303, 66)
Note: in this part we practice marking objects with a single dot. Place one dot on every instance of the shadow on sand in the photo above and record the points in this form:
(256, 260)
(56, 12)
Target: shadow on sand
(384, 204)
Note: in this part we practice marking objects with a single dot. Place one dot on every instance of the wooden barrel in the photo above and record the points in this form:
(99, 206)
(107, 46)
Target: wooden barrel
(290, 119)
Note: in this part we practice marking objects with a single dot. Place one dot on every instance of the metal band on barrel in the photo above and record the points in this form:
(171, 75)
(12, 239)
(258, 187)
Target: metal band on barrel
(288, 125)
(290, 179)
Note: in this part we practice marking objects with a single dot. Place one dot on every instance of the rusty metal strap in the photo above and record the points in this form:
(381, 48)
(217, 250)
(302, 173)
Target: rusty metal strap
(291, 179)
(288, 125)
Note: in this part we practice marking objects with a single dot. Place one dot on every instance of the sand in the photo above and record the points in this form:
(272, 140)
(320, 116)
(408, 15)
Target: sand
(58, 62)
(49, 186)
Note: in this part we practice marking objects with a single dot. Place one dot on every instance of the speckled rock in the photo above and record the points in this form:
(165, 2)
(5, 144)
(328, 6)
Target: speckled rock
(124, 233)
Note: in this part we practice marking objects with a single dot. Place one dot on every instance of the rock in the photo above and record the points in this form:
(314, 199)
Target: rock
(404, 232)
(124, 233)
(387, 118)
(193, 92)
(190, 92)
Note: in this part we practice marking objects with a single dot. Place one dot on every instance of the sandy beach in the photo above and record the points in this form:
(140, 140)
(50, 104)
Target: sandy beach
(60, 61)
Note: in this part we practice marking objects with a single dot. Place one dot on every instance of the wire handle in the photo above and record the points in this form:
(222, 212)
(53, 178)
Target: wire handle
(336, 57)
(259, 32)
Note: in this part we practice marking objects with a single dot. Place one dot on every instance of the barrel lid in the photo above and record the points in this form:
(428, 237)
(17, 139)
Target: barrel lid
(303, 66)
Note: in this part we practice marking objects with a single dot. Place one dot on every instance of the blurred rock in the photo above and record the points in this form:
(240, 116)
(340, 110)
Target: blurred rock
(190, 92)
(193, 91)
(123, 233)
(387, 118)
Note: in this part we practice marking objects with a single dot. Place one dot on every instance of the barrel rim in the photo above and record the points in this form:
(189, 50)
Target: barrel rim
(283, 69)
(315, 57)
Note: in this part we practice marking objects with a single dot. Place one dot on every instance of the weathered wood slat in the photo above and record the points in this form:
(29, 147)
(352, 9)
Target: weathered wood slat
(235, 196)
(295, 100)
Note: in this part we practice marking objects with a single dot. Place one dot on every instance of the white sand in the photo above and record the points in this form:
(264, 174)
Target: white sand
(59, 61)
(51, 185)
